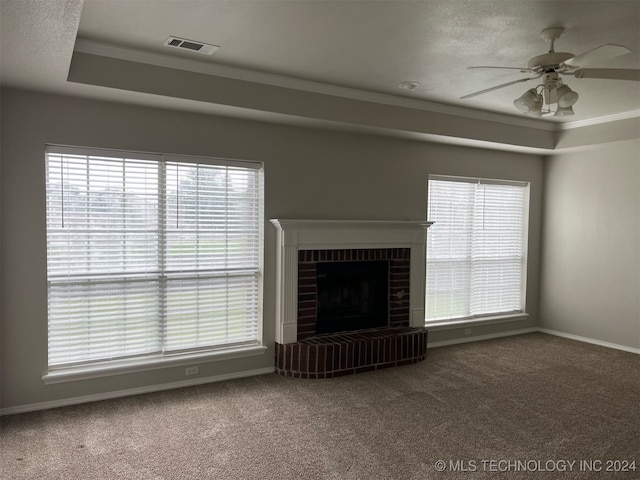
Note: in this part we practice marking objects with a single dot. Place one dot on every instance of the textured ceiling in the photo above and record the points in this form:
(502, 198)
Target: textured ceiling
(365, 45)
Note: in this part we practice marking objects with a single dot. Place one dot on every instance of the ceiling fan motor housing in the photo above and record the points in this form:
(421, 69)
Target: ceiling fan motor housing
(549, 60)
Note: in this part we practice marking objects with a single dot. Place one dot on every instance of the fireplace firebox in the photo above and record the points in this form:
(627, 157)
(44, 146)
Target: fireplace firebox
(344, 290)
(352, 296)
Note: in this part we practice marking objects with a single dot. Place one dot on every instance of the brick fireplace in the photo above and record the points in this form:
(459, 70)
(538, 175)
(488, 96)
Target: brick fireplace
(325, 265)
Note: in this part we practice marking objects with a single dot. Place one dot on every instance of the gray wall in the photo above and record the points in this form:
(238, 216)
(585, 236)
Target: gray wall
(309, 173)
(590, 284)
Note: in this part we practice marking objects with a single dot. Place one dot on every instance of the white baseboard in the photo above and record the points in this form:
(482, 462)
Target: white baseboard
(557, 333)
(132, 391)
(478, 338)
(589, 340)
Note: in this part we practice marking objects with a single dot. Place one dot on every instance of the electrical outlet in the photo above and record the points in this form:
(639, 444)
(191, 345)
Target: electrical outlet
(467, 331)
(191, 370)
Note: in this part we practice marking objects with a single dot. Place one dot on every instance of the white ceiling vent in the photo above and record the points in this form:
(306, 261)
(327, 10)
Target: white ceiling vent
(191, 45)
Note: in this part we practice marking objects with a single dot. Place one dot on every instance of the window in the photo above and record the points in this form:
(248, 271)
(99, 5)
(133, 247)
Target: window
(476, 248)
(150, 255)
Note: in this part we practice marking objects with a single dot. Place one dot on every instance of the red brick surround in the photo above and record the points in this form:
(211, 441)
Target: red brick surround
(399, 262)
(344, 353)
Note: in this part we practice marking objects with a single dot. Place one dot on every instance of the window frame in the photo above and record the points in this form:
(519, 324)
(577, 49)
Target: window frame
(495, 317)
(92, 369)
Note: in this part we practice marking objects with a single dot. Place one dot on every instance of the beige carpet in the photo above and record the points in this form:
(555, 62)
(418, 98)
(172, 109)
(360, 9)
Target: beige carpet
(511, 408)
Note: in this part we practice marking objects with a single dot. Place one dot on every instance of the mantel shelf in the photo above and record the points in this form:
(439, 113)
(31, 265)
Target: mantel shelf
(285, 224)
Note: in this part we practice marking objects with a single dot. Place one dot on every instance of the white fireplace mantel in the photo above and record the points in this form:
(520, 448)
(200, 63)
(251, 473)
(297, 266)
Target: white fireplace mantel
(294, 235)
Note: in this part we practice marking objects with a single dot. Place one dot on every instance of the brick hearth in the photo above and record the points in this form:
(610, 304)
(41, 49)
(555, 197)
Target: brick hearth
(327, 356)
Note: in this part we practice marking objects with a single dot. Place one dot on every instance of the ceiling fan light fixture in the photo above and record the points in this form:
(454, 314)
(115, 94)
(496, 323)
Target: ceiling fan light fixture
(564, 111)
(566, 97)
(536, 109)
(530, 102)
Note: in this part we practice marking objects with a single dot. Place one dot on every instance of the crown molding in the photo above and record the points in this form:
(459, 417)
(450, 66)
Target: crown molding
(226, 71)
(599, 120)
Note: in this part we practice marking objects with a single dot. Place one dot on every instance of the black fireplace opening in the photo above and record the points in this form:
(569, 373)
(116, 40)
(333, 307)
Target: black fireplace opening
(352, 295)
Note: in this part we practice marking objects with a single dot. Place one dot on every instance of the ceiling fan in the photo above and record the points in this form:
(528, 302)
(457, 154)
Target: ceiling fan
(549, 66)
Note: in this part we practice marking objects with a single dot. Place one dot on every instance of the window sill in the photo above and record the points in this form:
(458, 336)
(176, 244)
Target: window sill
(470, 322)
(87, 372)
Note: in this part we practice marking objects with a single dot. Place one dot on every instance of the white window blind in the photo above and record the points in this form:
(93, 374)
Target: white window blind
(476, 248)
(150, 255)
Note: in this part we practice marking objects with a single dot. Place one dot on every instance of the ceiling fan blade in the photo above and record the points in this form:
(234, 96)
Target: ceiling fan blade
(522, 69)
(609, 73)
(598, 54)
(487, 90)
